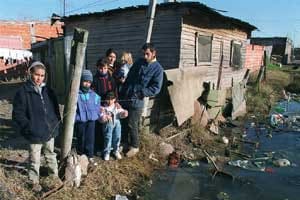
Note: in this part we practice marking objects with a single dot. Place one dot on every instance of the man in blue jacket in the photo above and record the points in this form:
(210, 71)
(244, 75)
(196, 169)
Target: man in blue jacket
(144, 80)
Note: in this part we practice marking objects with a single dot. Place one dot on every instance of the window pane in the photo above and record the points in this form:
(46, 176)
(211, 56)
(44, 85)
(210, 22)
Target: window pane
(236, 55)
(204, 48)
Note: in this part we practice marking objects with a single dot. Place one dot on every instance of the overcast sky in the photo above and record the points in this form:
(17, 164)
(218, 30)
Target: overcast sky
(272, 17)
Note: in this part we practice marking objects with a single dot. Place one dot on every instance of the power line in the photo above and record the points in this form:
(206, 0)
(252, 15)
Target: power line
(91, 4)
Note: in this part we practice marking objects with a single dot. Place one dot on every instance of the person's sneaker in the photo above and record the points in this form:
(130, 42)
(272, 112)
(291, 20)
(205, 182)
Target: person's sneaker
(132, 152)
(117, 155)
(92, 162)
(106, 157)
(36, 187)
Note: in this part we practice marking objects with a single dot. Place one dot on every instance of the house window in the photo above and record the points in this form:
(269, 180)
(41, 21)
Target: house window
(203, 49)
(236, 54)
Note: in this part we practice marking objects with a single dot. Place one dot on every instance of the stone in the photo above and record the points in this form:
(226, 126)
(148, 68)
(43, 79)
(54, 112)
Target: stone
(165, 149)
(225, 140)
(213, 128)
(73, 171)
(83, 162)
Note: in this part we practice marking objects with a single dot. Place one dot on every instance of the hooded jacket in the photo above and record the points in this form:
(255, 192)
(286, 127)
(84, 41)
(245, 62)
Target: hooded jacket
(36, 115)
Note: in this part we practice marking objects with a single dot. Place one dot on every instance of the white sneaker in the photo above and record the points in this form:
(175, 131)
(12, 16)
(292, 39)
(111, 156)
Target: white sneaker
(117, 155)
(132, 152)
(106, 157)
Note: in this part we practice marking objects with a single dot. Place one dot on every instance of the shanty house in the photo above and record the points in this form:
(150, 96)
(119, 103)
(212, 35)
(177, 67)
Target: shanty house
(281, 47)
(195, 44)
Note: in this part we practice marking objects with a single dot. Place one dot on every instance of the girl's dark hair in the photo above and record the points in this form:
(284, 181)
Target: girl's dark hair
(109, 51)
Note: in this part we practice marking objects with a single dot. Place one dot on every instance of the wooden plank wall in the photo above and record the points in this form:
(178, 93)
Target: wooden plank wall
(225, 36)
(125, 31)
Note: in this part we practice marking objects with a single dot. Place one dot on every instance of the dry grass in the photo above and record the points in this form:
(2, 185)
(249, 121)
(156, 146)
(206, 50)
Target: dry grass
(103, 182)
(260, 102)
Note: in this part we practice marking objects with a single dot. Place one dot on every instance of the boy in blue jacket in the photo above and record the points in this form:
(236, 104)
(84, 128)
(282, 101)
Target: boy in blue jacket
(88, 111)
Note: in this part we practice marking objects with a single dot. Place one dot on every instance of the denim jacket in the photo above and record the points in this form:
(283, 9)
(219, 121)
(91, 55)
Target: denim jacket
(143, 80)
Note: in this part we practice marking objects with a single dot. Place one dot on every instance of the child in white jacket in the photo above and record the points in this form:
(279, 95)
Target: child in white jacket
(112, 113)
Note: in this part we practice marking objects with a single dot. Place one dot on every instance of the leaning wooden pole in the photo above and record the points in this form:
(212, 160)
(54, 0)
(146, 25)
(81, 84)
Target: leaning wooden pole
(76, 63)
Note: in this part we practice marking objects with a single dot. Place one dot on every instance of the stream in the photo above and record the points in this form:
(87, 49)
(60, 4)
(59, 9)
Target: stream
(262, 180)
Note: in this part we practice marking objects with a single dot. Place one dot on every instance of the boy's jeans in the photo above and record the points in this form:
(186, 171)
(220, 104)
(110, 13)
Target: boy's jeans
(112, 136)
(35, 151)
(85, 132)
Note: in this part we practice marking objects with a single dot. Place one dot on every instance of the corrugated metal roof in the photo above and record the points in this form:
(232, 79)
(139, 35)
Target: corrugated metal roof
(162, 6)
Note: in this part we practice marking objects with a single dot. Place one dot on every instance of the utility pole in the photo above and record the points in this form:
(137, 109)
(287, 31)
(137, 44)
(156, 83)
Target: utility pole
(64, 8)
(79, 43)
(150, 19)
(148, 34)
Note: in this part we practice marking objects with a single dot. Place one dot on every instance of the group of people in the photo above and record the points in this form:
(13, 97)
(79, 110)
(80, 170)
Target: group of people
(115, 92)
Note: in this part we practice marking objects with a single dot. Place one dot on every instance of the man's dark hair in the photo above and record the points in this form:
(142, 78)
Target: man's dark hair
(109, 51)
(149, 46)
(102, 62)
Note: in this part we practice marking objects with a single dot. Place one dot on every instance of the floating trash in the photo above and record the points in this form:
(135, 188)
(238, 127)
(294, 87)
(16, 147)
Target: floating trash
(119, 197)
(276, 119)
(225, 140)
(282, 162)
(193, 163)
(248, 164)
(279, 109)
(223, 196)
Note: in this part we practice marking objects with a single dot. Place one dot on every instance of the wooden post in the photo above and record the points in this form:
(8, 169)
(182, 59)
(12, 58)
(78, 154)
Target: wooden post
(260, 77)
(79, 43)
(265, 64)
(220, 66)
(148, 34)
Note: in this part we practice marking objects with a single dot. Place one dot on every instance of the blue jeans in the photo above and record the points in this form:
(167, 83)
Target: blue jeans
(112, 136)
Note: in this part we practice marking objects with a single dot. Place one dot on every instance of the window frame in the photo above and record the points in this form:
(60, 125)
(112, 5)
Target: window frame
(197, 61)
(236, 42)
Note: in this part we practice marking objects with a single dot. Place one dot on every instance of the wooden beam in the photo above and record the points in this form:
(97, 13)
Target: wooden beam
(76, 64)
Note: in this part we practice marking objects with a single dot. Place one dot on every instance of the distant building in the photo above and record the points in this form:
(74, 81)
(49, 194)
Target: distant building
(296, 56)
(21, 34)
(281, 47)
(254, 57)
(16, 38)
